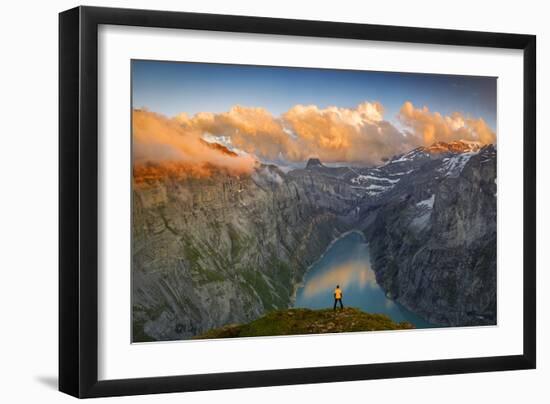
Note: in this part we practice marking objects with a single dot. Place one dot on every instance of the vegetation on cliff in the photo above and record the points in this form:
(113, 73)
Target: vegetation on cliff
(306, 321)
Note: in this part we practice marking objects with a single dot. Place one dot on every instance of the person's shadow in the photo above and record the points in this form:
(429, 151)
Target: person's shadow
(48, 381)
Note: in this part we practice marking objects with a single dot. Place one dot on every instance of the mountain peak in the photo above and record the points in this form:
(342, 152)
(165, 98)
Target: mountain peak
(314, 163)
(438, 149)
(456, 146)
(219, 147)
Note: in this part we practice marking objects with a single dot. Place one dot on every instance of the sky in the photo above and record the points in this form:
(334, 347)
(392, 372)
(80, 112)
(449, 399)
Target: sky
(171, 88)
(290, 114)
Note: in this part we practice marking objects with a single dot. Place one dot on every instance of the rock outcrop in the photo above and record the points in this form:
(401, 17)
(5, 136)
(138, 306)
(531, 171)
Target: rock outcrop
(313, 163)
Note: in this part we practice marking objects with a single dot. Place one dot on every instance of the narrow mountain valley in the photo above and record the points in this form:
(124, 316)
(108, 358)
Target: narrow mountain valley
(222, 249)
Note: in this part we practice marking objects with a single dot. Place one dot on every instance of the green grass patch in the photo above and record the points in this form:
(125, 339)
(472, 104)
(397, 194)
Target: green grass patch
(306, 321)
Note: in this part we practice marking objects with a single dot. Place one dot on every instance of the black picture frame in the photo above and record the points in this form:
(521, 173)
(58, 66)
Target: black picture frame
(78, 200)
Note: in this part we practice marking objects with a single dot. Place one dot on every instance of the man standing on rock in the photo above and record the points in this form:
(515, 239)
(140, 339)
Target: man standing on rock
(338, 297)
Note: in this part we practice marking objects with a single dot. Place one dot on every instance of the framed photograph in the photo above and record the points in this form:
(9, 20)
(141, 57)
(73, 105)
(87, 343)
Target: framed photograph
(251, 201)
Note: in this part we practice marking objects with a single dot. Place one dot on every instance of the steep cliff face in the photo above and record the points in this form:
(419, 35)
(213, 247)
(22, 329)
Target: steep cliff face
(433, 240)
(224, 249)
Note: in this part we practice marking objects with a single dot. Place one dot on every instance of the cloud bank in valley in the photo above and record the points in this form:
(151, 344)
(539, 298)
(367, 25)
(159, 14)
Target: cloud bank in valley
(157, 139)
(357, 135)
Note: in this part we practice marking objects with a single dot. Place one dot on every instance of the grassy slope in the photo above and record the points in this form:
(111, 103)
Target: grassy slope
(305, 321)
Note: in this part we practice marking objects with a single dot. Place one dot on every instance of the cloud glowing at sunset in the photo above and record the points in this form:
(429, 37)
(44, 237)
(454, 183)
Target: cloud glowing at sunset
(357, 135)
(159, 140)
(433, 127)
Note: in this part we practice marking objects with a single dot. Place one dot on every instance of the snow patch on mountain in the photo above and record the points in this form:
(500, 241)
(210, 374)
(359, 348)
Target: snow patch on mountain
(413, 154)
(453, 166)
(401, 173)
(360, 179)
(375, 189)
(429, 203)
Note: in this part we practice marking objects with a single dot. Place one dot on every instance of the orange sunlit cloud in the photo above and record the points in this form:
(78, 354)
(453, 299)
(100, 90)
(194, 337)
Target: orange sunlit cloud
(157, 139)
(253, 130)
(357, 135)
(433, 127)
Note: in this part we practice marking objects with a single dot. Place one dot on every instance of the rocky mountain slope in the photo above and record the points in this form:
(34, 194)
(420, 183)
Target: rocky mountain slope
(222, 249)
(226, 249)
(433, 238)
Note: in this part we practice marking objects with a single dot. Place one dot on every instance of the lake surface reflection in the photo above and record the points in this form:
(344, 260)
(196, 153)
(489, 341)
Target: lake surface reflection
(347, 263)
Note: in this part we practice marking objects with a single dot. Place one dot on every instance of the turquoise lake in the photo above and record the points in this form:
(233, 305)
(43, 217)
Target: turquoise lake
(347, 263)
